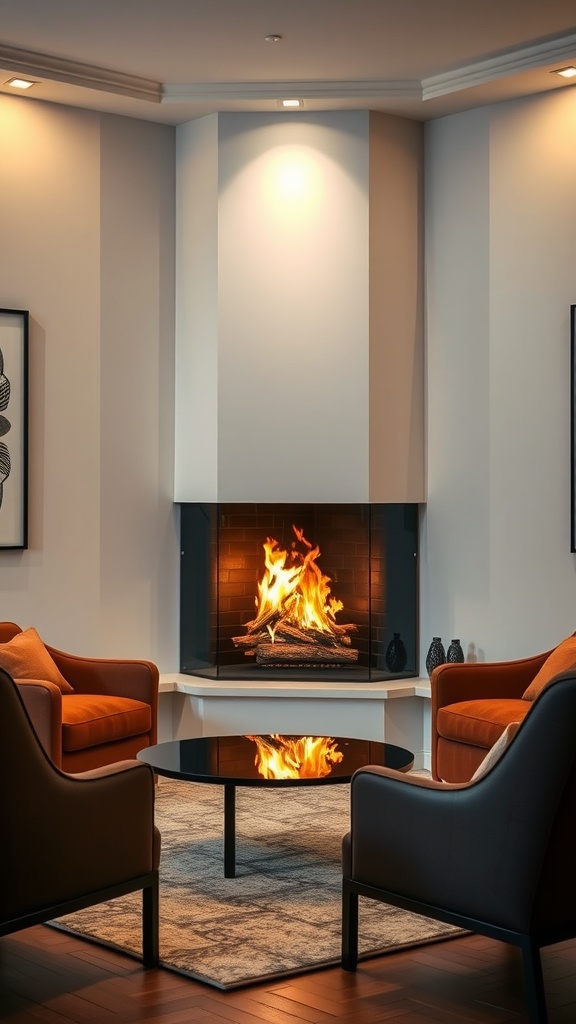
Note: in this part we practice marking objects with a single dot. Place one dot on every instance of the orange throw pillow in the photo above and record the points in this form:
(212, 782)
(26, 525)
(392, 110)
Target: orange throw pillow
(562, 659)
(25, 657)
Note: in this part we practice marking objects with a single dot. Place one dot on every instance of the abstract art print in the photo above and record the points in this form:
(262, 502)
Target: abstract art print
(13, 428)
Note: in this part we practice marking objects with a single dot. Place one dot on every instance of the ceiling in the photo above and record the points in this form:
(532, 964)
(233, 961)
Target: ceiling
(171, 61)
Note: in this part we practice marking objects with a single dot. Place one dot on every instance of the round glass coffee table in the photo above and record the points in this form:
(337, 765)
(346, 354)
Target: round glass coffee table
(230, 761)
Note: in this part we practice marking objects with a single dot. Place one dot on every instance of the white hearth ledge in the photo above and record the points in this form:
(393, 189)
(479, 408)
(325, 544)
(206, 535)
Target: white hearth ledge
(393, 711)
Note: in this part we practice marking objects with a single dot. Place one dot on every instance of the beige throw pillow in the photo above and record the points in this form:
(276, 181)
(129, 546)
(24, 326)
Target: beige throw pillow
(495, 752)
(26, 657)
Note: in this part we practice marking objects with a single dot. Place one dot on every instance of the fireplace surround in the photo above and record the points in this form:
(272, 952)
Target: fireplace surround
(365, 557)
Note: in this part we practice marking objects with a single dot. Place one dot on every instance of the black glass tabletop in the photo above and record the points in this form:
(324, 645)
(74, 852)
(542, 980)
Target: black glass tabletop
(233, 760)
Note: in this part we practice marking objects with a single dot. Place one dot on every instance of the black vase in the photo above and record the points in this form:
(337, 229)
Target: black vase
(396, 656)
(455, 652)
(436, 655)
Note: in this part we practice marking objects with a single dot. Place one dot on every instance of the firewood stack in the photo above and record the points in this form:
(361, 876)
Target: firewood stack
(276, 641)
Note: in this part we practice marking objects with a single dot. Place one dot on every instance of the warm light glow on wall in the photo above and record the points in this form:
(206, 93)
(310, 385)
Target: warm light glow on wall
(292, 182)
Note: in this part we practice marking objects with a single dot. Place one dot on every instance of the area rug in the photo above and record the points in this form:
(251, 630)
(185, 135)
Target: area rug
(280, 916)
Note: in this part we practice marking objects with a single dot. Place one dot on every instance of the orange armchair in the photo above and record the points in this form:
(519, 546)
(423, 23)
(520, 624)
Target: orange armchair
(107, 713)
(71, 841)
(471, 706)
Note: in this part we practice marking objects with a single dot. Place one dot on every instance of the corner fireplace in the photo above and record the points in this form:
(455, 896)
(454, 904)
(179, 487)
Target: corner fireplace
(320, 591)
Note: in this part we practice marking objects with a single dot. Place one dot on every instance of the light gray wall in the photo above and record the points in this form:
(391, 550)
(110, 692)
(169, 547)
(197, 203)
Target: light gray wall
(87, 246)
(500, 223)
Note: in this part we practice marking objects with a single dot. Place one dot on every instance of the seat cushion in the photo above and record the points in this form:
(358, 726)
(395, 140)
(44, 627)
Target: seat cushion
(26, 657)
(480, 722)
(89, 720)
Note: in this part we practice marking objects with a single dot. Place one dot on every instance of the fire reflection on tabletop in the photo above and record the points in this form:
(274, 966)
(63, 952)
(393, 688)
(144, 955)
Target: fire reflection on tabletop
(301, 757)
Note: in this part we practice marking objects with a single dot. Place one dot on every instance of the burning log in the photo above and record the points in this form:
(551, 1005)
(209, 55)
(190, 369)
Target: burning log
(282, 653)
(250, 639)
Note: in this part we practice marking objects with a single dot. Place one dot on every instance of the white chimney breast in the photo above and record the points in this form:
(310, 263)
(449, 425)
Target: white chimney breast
(273, 388)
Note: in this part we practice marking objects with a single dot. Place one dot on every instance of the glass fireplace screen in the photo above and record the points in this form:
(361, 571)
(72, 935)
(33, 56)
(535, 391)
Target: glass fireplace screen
(299, 591)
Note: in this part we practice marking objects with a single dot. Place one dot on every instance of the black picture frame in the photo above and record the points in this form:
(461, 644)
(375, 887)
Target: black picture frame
(573, 427)
(14, 327)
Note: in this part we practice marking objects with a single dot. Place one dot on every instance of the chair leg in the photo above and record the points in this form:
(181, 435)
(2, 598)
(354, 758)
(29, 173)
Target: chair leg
(349, 927)
(150, 925)
(534, 981)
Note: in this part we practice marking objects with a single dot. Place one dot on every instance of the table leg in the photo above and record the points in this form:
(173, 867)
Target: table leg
(229, 831)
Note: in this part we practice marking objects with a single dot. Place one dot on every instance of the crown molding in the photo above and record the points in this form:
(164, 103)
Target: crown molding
(87, 76)
(526, 59)
(71, 72)
(315, 90)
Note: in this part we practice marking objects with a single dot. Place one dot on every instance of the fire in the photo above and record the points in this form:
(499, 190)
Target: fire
(304, 757)
(294, 585)
(295, 613)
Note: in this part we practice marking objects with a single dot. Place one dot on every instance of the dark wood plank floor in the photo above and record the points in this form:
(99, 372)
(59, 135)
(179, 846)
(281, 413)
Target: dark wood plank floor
(48, 976)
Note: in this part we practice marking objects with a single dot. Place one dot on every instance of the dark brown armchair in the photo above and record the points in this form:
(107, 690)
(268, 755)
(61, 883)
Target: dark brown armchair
(71, 841)
(108, 711)
(495, 856)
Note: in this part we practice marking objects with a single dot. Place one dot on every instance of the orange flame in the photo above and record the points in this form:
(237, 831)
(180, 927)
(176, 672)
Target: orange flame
(295, 587)
(304, 757)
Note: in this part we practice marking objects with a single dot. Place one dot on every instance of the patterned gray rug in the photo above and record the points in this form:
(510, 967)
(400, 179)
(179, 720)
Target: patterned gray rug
(280, 916)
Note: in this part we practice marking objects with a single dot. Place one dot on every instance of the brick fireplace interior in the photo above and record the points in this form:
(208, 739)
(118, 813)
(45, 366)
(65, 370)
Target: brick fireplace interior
(366, 557)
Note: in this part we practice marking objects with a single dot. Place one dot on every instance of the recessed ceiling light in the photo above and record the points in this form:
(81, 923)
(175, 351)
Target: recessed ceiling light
(569, 72)
(272, 38)
(291, 103)
(20, 83)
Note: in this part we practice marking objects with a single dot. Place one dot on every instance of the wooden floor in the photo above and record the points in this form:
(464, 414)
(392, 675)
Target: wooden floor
(48, 976)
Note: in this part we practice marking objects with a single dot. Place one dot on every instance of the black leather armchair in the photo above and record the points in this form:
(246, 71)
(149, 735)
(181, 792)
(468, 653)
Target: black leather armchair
(71, 841)
(493, 856)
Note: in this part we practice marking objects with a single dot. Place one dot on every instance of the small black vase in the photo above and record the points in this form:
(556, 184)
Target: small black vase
(436, 655)
(396, 656)
(455, 652)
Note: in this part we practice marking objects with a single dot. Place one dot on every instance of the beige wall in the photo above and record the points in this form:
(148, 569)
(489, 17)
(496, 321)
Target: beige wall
(87, 246)
(397, 471)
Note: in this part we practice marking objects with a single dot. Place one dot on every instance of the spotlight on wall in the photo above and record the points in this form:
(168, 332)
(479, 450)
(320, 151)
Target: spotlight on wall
(20, 83)
(568, 72)
(291, 104)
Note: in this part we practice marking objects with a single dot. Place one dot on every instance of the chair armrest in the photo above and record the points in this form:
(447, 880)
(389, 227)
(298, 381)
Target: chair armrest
(451, 683)
(121, 795)
(43, 702)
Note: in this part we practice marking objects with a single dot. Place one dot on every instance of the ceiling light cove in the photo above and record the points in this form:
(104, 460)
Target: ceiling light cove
(20, 83)
(568, 72)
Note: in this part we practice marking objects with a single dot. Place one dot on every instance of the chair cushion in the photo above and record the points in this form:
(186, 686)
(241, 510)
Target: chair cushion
(480, 722)
(562, 659)
(26, 657)
(91, 719)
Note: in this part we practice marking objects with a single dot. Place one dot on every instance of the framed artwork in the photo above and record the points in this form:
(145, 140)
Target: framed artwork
(13, 428)
(573, 428)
